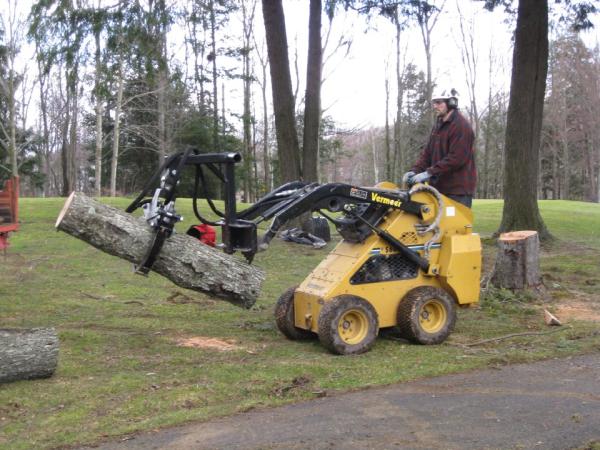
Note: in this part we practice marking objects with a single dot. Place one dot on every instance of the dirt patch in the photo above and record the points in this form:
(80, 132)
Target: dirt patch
(208, 343)
(580, 306)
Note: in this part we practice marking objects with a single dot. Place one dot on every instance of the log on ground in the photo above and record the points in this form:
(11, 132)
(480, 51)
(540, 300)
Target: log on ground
(183, 260)
(26, 354)
(517, 261)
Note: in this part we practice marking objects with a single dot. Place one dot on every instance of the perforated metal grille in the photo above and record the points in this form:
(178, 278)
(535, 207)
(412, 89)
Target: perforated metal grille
(385, 268)
(409, 238)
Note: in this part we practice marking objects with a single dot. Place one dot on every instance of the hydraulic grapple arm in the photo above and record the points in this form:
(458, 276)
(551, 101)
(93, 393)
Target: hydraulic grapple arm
(364, 207)
(334, 197)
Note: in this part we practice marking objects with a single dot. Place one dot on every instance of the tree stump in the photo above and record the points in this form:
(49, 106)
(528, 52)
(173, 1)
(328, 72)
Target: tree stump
(183, 260)
(517, 261)
(27, 354)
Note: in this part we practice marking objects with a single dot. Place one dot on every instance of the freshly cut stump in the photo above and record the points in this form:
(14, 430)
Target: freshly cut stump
(26, 354)
(518, 261)
(182, 259)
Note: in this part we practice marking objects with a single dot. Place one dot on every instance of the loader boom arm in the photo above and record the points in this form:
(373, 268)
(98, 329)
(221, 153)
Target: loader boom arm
(363, 207)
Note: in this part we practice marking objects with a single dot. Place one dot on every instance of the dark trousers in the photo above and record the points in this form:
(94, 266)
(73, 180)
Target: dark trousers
(466, 200)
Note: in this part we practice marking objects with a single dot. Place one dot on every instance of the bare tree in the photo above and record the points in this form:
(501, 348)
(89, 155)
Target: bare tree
(248, 9)
(114, 159)
(9, 83)
(427, 15)
(388, 150)
(97, 26)
(469, 58)
(283, 99)
(312, 98)
(528, 86)
(262, 82)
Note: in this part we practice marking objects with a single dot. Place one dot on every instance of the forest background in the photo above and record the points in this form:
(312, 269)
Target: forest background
(94, 94)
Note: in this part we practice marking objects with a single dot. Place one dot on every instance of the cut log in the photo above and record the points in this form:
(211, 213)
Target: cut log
(183, 260)
(27, 354)
(517, 261)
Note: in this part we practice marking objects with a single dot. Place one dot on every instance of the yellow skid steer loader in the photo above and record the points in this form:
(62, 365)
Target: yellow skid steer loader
(407, 259)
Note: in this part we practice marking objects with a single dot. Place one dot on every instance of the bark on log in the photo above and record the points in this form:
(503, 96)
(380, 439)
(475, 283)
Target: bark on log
(517, 261)
(27, 354)
(183, 260)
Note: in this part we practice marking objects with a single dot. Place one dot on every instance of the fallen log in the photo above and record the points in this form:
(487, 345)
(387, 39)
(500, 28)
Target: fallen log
(182, 259)
(517, 261)
(27, 354)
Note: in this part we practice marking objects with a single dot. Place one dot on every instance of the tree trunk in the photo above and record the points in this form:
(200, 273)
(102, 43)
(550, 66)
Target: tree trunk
(114, 160)
(74, 139)
(388, 157)
(213, 55)
(283, 98)
(248, 21)
(374, 155)
(67, 185)
(518, 261)
(12, 118)
(182, 259)
(98, 153)
(524, 121)
(268, 173)
(27, 354)
(312, 109)
(163, 82)
(591, 187)
(399, 157)
(42, 80)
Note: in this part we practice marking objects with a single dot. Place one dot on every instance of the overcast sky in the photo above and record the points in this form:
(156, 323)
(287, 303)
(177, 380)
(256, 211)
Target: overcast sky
(353, 93)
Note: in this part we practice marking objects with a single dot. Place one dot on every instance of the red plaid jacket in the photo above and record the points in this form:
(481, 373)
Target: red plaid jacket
(450, 156)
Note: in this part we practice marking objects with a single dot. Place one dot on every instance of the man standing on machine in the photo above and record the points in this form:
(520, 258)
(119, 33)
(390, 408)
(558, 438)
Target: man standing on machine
(448, 160)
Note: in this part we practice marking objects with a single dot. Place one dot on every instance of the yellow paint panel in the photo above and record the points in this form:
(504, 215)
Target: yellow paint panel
(460, 266)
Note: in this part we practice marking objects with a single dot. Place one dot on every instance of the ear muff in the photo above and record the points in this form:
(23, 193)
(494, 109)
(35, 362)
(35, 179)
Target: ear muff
(452, 102)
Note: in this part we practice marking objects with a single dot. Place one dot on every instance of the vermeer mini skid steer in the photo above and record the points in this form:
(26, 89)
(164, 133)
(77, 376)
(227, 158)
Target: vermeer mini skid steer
(408, 258)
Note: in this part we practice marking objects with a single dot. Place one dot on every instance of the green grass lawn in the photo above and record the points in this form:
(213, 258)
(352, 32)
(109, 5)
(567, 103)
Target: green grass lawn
(121, 370)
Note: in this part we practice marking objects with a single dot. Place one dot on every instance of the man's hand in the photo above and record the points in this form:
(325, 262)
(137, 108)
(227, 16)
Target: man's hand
(420, 178)
(407, 176)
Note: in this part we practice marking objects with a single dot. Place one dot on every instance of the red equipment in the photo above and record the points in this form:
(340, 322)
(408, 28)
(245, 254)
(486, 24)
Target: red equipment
(9, 210)
(205, 233)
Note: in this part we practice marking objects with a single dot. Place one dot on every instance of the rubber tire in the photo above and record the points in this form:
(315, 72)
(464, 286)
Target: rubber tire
(330, 316)
(284, 317)
(409, 312)
(321, 228)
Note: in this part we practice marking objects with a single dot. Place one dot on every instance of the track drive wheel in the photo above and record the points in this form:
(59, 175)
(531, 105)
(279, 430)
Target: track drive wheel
(348, 325)
(426, 315)
(284, 317)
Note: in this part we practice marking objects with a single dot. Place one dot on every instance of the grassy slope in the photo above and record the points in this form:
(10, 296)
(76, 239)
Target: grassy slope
(121, 371)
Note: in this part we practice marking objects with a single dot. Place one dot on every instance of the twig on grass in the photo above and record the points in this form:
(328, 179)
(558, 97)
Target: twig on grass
(509, 336)
(95, 297)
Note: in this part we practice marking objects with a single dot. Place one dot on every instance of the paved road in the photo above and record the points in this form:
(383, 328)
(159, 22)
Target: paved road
(546, 405)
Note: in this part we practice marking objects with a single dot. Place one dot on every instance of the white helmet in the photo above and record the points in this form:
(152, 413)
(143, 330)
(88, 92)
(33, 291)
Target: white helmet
(450, 96)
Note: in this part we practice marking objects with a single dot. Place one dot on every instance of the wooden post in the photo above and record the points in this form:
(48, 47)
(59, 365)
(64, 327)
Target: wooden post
(517, 261)
(182, 259)
(27, 354)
